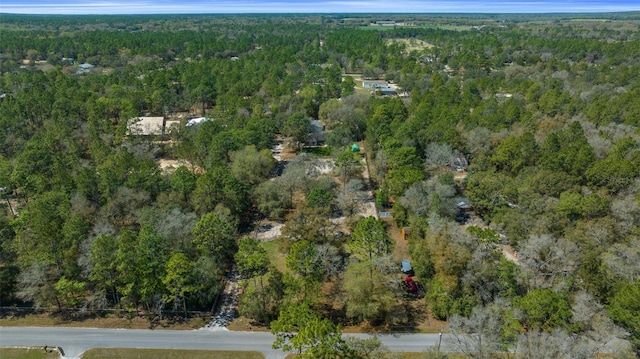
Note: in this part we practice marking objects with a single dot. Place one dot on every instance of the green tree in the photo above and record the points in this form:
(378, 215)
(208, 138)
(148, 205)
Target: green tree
(218, 187)
(300, 328)
(304, 261)
(347, 166)
(151, 255)
(367, 295)
(399, 179)
(114, 171)
(369, 348)
(370, 237)
(251, 258)
(515, 153)
(70, 292)
(215, 236)
(544, 309)
(33, 167)
(104, 266)
(327, 107)
(177, 280)
(567, 150)
(311, 98)
(39, 230)
(297, 127)
(311, 224)
(206, 279)
(348, 86)
(624, 307)
(271, 200)
(319, 198)
(183, 181)
(250, 166)
(261, 302)
(613, 174)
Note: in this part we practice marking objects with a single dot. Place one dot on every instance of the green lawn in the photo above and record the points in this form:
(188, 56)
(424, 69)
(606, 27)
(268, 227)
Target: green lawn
(119, 353)
(277, 258)
(319, 151)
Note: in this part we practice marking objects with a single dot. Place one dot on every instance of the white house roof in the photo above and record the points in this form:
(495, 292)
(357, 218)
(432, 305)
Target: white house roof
(198, 120)
(145, 126)
(375, 83)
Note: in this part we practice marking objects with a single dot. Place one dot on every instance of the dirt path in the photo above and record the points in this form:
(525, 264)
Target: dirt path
(510, 253)
(368, 208)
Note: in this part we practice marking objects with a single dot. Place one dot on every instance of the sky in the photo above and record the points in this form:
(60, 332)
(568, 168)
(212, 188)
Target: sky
(311, 6)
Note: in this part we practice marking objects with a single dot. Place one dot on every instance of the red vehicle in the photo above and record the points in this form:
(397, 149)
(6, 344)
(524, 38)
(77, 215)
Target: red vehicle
(410, 284)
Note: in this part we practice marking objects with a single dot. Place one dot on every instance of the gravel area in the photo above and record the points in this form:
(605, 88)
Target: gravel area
(228, 300)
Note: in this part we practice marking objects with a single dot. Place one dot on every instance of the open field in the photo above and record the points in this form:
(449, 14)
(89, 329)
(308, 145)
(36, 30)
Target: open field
(442, 27)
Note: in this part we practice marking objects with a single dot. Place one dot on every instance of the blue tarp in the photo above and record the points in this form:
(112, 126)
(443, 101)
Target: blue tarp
(406, 266)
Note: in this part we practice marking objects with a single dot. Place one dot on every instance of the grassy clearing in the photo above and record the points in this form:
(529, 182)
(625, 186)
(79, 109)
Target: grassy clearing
(121, 353)
(442, 27)
(28, 353)
(588, 20)
(411, 44)
(276, 257)
(324, 151)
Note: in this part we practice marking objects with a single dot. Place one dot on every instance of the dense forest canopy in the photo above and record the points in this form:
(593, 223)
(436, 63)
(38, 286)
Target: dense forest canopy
(543, 107)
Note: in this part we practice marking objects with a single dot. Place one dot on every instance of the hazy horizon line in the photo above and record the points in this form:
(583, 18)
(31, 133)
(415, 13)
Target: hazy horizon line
(594, 12)
(154, 7)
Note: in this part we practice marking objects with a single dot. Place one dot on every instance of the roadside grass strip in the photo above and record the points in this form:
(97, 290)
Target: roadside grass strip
(122, 353)
(29, 353)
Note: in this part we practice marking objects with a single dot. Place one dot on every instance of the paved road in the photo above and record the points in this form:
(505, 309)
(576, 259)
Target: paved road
(75, 341)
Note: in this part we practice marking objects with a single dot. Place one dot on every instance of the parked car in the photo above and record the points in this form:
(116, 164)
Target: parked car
(410, 284)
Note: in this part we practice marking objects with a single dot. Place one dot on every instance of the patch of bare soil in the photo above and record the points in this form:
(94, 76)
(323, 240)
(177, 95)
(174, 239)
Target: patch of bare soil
(243, 324)
(401, 248)
(459, 175)
(267, 230)
(282, 152)
(510, 253)
(169, 166)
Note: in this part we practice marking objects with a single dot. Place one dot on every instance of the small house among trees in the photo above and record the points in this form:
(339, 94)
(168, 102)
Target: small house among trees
(459, 162)
(375, 84)
(387, 91)
(318, 133)
(150, 126)
(85, 68)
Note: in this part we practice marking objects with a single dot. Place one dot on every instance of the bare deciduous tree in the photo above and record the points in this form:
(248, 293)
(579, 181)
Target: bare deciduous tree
(487, 331)
(622, 260)
(438, 155)
(547, 260)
